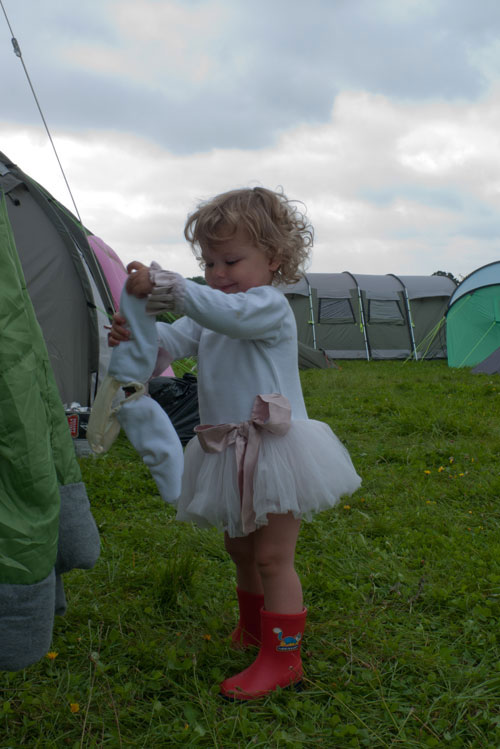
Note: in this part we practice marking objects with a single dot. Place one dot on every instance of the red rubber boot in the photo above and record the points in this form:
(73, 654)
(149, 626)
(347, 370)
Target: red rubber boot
(278, 663)
(247, 633)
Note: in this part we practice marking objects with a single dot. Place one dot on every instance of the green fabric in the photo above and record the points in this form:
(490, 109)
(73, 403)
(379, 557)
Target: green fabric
(473, 327)
(36, 450)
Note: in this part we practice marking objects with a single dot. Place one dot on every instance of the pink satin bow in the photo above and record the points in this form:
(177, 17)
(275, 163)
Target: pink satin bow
(270, 413)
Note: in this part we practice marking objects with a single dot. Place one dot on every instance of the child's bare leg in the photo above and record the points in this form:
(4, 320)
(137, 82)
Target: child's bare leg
(241, 551)
(274, 552)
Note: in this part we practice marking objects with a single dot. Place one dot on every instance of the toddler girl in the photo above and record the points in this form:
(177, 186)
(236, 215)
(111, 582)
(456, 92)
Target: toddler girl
(257, 464)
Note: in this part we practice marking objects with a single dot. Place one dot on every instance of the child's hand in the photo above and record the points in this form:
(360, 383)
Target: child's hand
(118, 332)
(138, 283)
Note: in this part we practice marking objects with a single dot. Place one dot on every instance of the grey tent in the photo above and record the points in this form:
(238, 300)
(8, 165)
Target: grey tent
(66, 284)
(490, 365)
(357, 316)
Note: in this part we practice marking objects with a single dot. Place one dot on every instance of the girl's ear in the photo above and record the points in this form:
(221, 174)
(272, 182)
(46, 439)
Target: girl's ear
(274, 265)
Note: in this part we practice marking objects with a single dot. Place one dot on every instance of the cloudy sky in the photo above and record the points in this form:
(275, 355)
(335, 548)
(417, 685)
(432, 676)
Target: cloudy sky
(382, 116)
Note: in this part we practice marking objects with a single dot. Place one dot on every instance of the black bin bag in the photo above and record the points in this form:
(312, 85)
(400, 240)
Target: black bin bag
(179, 399)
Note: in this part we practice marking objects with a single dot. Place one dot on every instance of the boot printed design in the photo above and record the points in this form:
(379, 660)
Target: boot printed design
(288, 643)
(278, 663)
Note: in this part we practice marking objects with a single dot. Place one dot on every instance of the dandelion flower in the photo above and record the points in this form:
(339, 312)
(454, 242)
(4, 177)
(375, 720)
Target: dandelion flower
(440, 469)
(207, 637)
(74, 707)
(347, 507)
(427, 472)
(52, 655)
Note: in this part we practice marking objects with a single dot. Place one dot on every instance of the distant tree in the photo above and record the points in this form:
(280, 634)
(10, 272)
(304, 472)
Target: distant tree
(198, 279)
(448, 275)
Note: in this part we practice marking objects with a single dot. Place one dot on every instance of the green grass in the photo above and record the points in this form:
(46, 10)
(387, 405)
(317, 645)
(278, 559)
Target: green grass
(402, 583)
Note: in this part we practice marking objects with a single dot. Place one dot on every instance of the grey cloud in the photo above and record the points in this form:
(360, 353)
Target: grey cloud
(279, 64)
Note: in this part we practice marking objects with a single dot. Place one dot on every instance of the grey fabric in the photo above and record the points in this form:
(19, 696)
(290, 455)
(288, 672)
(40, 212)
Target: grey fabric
(425, 287)
(490, 365)
(26, 620)
(27, 611)
(378, 287)
(78, 535)
(70, 295)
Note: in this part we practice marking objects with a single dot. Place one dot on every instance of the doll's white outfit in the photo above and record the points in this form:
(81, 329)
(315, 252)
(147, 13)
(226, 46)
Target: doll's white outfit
(145, 423)
(248, 381)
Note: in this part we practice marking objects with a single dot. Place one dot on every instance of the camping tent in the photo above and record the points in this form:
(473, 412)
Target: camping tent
(46, 525)
(357, 316)
(70, 292)
(473, 317)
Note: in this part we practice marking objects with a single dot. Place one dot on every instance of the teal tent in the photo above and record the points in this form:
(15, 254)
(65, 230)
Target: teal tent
(473, 317)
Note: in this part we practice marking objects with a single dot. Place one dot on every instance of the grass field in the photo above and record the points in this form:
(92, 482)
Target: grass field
(402, 583)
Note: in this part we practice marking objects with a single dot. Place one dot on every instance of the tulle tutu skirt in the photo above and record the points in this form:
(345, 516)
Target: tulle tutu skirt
(305, 471)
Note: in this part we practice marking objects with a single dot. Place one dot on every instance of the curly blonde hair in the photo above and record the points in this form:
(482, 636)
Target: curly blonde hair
(271, 220)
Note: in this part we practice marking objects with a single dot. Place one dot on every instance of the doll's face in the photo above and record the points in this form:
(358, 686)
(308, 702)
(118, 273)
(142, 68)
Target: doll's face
(236, 264)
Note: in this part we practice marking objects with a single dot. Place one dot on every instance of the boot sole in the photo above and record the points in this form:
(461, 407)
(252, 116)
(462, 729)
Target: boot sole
(298, 687)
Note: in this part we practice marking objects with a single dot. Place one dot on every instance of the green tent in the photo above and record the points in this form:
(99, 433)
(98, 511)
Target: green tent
(46, 527)
(359, 316)
(473, 317)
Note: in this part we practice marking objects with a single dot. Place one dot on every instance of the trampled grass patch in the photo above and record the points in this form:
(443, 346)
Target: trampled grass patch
(402, 583)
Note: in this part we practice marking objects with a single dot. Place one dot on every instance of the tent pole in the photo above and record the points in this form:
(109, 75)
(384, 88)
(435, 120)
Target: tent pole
(311, 310)
(363, 325)
(410, 324)
(361, 315)
(408, 315)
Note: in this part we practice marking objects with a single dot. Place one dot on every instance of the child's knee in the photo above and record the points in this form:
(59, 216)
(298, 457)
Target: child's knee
(270, 561)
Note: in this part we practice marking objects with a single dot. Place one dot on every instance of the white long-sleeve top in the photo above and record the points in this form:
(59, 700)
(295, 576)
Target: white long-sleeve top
(246, 345)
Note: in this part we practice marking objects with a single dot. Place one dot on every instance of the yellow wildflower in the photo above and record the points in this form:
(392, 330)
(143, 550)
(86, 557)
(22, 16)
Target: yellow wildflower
(427, 472)
(347, 507)
(74, 707)
(440, 469)
(52, 655)
(207, 637)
